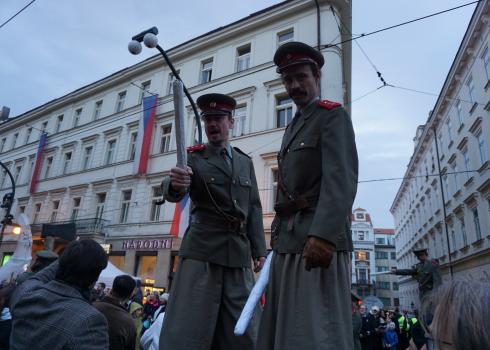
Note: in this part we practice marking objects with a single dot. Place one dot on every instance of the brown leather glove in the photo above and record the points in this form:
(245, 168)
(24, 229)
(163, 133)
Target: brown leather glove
(317, 253)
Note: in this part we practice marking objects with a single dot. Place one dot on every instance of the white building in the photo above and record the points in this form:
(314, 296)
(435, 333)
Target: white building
(461, 122)
(87, 172)
(363, 259)
(386, 287)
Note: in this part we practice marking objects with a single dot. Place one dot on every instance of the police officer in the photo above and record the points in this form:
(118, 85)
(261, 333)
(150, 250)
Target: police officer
(426, 272)
(43, 259)
(308, 296)
(225, 233)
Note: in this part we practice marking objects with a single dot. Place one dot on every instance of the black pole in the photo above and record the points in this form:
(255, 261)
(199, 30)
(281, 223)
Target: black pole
(8, 200)
(443, 204)
(177, 76)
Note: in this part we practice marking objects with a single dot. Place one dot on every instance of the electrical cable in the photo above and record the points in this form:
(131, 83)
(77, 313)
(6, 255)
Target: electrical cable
(11, 18)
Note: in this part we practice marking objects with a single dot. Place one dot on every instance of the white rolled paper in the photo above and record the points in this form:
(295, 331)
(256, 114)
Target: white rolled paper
(178, 90)
(254, 297)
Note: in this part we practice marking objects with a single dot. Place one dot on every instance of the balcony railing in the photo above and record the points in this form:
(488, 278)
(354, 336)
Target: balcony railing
(83, 226)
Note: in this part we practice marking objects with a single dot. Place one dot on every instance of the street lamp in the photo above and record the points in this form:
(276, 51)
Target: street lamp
(149, 38)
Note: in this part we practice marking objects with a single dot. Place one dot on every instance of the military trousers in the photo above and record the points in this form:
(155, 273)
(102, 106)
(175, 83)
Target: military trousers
(307, 310)
(205, 303)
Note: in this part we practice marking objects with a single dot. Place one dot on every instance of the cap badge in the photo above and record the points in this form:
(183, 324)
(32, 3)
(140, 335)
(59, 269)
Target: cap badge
(212, 104)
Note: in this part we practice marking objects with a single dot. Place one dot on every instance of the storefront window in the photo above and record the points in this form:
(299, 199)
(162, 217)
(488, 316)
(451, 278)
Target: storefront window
(145, 267)
(117, 261)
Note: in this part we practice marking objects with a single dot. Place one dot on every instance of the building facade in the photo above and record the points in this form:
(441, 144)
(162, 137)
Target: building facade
(87, 172)
(363, 259)
(444, 201)
(386, 285)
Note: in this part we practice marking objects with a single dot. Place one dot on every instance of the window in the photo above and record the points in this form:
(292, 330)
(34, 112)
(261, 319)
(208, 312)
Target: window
(381, 255)
(145, 266)
(47, 168)
(441, 141)
(17, 171)
(393, 255)
(99, 211)
(243, 58)
(155, 209)
(359, 216)
(145, 90)
(121, 97)
(396, 301)
(111, 150)
(76, 118)
(14, 140)
(240, 118)
(383, 285)
(126, 202)
(132, 146)
(59, 121)
(28, 135)
(466, 158)
(360, 236)
(385, 301)
(481, 147)
(446, 186)
(166, 131)
(171, 79)
(22, 208)
(98, 109)
(362, 255)
(37, 213)
(75, 209)
(87, 157)
(206, 71)
(381, 268)
(2, 144)
(454, 168)
(459, 112)
(380, 241)
(476, 221)
(54, 212)
(362, 276)
(486, 62)
(463, 232)
(449, 132)
(31, 166)
(4, 177)
(284, 111)
(285, 36)
(275, 181)
(67, 163)
(44, 126)
(471, 88)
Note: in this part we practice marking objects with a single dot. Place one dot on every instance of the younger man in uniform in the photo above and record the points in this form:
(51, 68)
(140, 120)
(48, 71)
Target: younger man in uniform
(226, 231)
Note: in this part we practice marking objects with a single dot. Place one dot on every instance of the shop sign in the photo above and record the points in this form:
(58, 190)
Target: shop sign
(139, 244)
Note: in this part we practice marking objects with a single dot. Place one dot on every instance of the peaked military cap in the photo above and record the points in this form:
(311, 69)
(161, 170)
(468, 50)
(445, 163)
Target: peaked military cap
(46, 254)
(295, 52)
(417, 251)
(210, 104)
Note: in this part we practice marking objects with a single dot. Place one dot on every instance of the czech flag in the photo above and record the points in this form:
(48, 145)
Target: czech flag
(39, 162)
(145, 132)
(181, 217)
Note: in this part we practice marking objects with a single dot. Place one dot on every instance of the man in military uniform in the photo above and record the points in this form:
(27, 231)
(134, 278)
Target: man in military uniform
(225, 232)
(426, 272)
(43, 259)
(308, 296)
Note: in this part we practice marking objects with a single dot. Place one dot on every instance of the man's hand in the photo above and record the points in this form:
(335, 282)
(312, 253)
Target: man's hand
(258, 264)
(180, 179)
(317, 253)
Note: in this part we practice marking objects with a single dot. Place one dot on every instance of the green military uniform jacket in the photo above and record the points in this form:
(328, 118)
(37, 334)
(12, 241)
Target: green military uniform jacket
(210, 237)
(317, 162)
(427, 275)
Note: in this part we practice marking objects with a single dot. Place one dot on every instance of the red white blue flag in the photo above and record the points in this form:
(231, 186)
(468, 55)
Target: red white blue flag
(39, 162)
(145, 132)
(181, 217)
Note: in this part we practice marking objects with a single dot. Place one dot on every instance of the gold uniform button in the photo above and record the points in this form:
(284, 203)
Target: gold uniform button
(302, 144)
(212, 179)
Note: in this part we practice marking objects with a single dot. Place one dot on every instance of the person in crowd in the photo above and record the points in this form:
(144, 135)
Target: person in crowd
(310, 234)
(367, 330)
(404, 329)
(225, 235)
(163, 305)
(122, 330)
(43, 259)
(100, 292)
(152, 303)
(462, 316)
(5, 316)
(356, 321)
(138, 295)
(426, 272)
(379, 328)
(51, 310)
(390, 339)
(136, 312)
(417, 331)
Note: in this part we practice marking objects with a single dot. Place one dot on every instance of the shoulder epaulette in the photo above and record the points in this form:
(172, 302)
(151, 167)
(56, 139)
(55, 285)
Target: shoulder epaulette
(196, 148)
(240, 151)
(328, 105)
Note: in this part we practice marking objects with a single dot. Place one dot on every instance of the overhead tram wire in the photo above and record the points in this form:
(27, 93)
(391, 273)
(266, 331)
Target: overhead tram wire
(18, 12)
(400, 24)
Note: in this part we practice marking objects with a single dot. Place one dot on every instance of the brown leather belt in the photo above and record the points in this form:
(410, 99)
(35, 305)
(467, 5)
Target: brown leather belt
(289, 208)
(237, 226)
